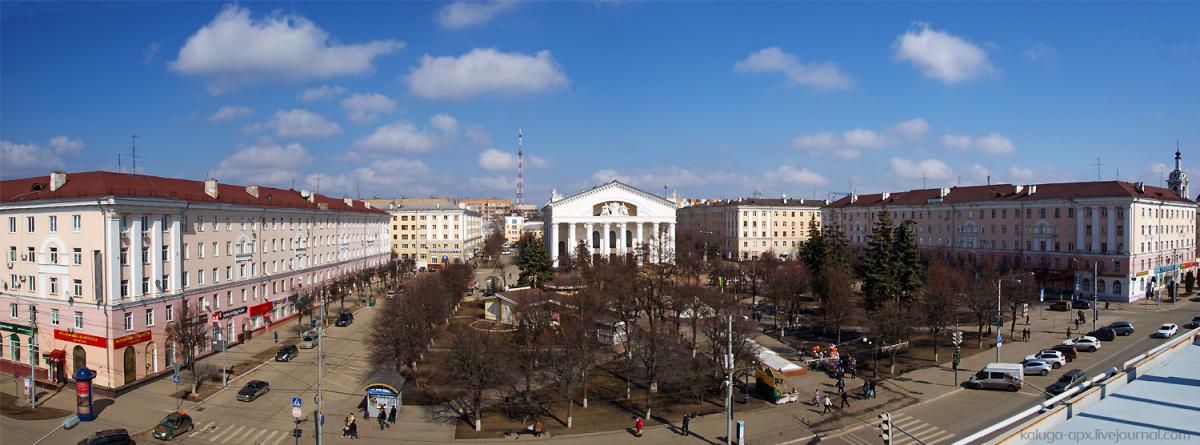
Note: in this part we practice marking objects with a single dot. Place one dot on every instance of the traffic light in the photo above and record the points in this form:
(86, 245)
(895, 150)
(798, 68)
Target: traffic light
(957, 337)
(885, 427)
(1025, 309)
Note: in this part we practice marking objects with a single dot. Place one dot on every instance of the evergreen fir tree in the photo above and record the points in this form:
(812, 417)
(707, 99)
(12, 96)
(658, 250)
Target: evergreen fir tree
(536, 267)
(907, 263)
(879, 269)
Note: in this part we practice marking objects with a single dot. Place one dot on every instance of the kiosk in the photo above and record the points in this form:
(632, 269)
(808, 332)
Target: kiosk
(384, 388)
(83, 394)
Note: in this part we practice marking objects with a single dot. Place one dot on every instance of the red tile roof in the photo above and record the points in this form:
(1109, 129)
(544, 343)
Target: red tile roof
(1008, 193)
(100, 184)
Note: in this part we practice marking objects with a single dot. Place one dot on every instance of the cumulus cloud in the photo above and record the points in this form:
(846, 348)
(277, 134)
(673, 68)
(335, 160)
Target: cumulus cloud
(298, 123)
(235, 49)
(796, 176)
(977, 173)
(478, 135)
(230, 112)
(673, 177)
(459, 15)
(444, 123)
(361, 108)
(851, 143)
(484, 71)
(320, 93)
(496, 160)
(262, 164)
(389, 177)
(65, 146)
(941, 55)
(493, 183)
(397, 137)
(992, 143)
(1020, 174)
(1041, 52)
(821, 75)
(25, 160)
(931, 169)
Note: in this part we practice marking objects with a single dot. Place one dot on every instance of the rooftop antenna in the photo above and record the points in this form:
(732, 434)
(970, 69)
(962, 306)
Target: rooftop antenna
(923, 180)
(356, 189)
(989, 179)
(118, 162)
(1098, 164)
(133, 156)
(960, 180)
(520, 166)
(318, 183)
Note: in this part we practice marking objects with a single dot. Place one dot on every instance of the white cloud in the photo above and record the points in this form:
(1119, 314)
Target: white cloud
(25, 160)
(797, 176)
(65, 146)
(1020, 174)
(319, 93)
(459, 15)
(478, 135)
(366, 107)
(496, 160)
(397, 137)
(1041, 52)
(300, 123)
(230, 112)
(851, 143)
(821, 75)
(444, 123)
(673, 177)
(941, 55)
(993, 143)
(977, 173)
(389, 177)
(234, 49)
(931, 169)
(493, 183)
(483, 71)
(263, 164)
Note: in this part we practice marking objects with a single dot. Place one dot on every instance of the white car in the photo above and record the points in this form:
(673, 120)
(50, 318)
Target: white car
(1055, 358)
(1085, 343)
(1038, 367)
(1166, 330)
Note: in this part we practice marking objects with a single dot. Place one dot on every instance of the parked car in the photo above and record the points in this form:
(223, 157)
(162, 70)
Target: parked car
(173, 425)
(1081, 304)
(344, 319)
(1104, 334)
(1060, 306)
(1085, 343)
(117, 436)
(286, 353)
(1122, 327)
(1055, 358)
(252, 390)
(1007, 376)
(1166, 330)
(1067, 350)
(1037, 367)
(1071, 378)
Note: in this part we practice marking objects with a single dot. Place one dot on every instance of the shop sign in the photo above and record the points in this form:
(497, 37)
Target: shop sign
(1188, 265)
(1143, 273)
(232, 313)
(83, 339)
(131, 339)
(261, 309)
(16, 328)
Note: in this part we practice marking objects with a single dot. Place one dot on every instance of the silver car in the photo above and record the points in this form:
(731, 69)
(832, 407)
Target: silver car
(1055, 358)
(1036, 367)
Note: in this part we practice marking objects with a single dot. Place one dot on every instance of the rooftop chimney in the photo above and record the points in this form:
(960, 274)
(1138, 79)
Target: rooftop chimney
(785, 198)
(1030, 190)
(252, 190)
(210, 188)
(308, 195)
(853, 198)
(1017, 189)
(943, 192)
(58, 178)
(367, 204)
(349, 202)
(886, 195)
(1140, 187)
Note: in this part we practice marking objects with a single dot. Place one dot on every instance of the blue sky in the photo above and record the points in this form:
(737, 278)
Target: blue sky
(710, 99)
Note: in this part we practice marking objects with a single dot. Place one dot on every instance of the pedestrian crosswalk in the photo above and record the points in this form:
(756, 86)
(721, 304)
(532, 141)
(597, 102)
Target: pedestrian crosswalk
(236, 434)
(928, 433)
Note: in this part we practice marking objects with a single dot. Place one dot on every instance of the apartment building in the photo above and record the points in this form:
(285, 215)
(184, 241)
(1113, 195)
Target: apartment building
(434, 233)
(97, 264)
(748, 228)
(489, 208)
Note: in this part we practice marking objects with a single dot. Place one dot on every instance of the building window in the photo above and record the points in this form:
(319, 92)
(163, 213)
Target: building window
(170, 313)
(53, 222)
(165, 257)
(145, 255)
(200, 250)
(145, 285)
(53, 255)
(53, 286)
(12, 310)
(12, 224)
(200, 277)
(30, 225)
(145, 223)
(78, 284)
(77, 256)
(185, 279)
(124, 256)
(129, 321)
(149, 317)
(124, 288)
(186, 253)
(78, 320)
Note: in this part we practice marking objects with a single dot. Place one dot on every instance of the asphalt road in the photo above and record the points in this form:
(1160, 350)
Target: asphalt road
(963, 412)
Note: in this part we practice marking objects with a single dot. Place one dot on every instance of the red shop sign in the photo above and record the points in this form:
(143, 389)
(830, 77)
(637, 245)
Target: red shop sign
(261, 309)
(131, 339)
(83, 339)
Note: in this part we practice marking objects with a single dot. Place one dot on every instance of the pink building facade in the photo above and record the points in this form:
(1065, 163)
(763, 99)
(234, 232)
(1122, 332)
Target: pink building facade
(100, 263)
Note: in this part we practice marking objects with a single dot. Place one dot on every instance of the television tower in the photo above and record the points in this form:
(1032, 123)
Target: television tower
(520, 168)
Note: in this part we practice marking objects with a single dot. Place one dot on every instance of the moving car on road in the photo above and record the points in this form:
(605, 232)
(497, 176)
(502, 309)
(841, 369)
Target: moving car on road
(173, 425)
(1060, 306)
(1194, 324)
(1085, 343)
(1055, 358)
(1104, 334)
(1036, 367)
(1122, 327)
(1081, 304)
(1166, 330)
(309, 340)
(286, 353)
(1071, 378)
(344, 319)
(117, 436)
(1006, 376)
(252, 390)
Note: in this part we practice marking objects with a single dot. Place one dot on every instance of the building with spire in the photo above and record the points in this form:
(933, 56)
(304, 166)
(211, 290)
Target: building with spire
(1178, 181)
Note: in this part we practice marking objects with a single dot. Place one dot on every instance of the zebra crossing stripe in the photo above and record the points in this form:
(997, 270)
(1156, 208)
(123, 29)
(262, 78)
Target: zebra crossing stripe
(241, 439)
(222, 433)
(280, 439)
(256, 436)
(230, 436)
(269, 437)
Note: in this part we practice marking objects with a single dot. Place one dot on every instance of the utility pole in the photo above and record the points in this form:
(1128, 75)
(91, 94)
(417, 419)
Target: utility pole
(224, 358)
(729, 381)
(33, 351)
(320, 417)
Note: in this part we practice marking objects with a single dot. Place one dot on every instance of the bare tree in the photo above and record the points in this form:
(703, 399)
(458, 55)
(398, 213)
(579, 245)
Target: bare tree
(940, 301)
(200, 373)
(493, 244)
(477, 363)
(569, 357)
(786, 284)
(893, 325)
(980, 300)
(532, 318)
(835, 297)
(189, 332)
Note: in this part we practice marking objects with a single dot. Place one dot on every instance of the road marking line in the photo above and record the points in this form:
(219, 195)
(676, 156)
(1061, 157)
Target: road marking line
(221, 434)
(855, 440)
(269, 437)
(280, 439)
(226, 440)
(256, 436)
(201, 430)
(243, 436)
(921, 430)
(944, 435)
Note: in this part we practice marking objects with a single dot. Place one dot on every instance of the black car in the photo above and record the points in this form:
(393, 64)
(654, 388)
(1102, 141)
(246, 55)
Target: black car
(1071, 378)
(344, 319)
(1068, 351)
(1194, 324)
(1122, 327)
(1081, 304)
(287, 353)
(173, 425)
(108, 437)
(1060, 306)
(1104, 334)
(252, 390)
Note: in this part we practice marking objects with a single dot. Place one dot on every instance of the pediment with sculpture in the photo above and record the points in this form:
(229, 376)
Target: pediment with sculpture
(614, 208)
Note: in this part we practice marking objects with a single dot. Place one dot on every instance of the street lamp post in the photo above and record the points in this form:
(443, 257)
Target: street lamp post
(999, 282)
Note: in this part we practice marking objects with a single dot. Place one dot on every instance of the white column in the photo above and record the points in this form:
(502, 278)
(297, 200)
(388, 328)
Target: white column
(112, 260)
(571, 242)
(621, 239)
(552, 236)
(156, 259)
(670, 241)
(135, 256)
(607, 242)
(1128, 221)
(655, 242)
(1079, 229)
(1112, 230)
(176, 281)
(587, 227)
(640, 238)
(1095, 229)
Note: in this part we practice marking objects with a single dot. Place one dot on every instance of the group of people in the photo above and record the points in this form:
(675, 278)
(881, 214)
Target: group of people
(685, 431)
(350, 428)
(385, 418)
(1025, 334)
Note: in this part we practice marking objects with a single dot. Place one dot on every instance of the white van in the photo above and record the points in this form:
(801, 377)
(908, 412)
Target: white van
(1008, 376)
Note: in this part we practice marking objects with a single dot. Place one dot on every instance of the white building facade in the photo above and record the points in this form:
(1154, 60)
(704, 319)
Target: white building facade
(612, 220)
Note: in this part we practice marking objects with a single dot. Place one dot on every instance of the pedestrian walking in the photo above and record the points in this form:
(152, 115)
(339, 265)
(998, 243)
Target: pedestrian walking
(276, 335)
(1068, 332)
(866, 389)
(383, 417)
(392, 415)
(687, 420)
(816, 397)
(637, 426)
(346, 427)
(353, 429)
(845, 399)
(828, 405)
(1106, 305)
(841, 385)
